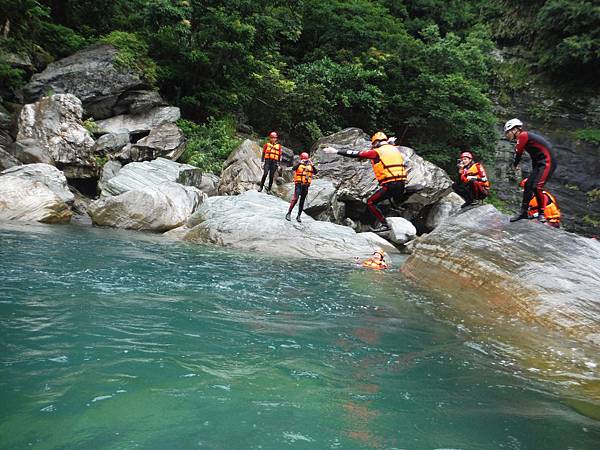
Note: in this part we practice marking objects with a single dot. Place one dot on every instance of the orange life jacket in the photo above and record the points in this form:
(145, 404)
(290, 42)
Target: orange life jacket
(304, 174)
(476, 169)
(390, 166)
(272, 151)
(551, 212)
(372, 264)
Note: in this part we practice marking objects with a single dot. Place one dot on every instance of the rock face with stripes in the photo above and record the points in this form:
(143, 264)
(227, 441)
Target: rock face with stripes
(255, 221)
(525, 285)
(55, 123)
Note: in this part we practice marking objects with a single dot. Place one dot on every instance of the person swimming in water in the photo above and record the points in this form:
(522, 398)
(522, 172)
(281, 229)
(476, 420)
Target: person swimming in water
(375, 262)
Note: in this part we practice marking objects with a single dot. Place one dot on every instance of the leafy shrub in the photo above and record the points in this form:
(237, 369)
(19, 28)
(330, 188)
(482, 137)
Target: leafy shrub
(591, 135)
(208, 145)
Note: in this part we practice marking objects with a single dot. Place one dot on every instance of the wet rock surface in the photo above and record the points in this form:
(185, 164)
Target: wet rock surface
(530, 286)
(46, 174)
(255, 221)
(29, 200)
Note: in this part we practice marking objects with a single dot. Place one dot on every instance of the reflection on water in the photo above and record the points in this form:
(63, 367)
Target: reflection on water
(121, 340)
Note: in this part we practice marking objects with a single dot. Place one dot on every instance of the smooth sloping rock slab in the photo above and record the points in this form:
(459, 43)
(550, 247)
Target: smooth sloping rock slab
(155, 208)
(525, 284)
(557, 273)
(137, 123)
(46, 174)
(255, 222)
(139, 175)
(29, 200)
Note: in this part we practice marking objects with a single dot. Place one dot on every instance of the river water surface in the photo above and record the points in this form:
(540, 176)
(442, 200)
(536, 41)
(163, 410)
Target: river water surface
(115, 340)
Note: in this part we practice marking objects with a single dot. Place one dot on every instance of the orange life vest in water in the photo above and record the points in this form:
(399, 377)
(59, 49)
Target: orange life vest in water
(272, 151)
(390, 166)
(304, 174)
(373, 264)
(551, 212)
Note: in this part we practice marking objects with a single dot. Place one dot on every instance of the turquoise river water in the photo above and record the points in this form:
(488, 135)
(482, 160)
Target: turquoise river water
(116, 340)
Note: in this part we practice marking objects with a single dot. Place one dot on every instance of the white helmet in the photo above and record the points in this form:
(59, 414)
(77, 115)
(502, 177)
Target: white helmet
(511, 124)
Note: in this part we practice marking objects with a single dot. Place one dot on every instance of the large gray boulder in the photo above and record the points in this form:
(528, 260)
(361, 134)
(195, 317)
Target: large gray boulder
(91, 75)
(139, 123)
(166, 141)
(155, 208)
(46, 174)
(442, 210)
(523, 285)
(29, 151)
(29, 200)
(111, 143)
(320, 202)
(355, 182)
(139, 175)
(55, 123)
(243, 170)
(255, 221)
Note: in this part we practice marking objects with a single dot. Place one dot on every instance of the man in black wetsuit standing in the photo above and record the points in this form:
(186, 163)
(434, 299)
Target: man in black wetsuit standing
(543, 164)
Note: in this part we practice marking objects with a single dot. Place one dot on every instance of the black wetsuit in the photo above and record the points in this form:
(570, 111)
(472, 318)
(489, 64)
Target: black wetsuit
(543, 164)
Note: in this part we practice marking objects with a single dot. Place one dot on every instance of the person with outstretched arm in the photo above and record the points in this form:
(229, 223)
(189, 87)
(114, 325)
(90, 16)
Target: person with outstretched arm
(389, 168)
(543, 165)
(303, 175)
(271, 157)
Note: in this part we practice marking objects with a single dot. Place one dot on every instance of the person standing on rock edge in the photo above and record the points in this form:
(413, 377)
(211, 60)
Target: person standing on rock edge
(303, 175)
(271, 156)
(390, 170)
(473, 182)
(543, 164)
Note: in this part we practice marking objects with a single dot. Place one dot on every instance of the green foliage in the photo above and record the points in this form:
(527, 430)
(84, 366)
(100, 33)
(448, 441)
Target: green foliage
(498, 203)
(591, 135)
(562, 37)
(591, 220)
(208, 145)
(133, 54)
(10, 78)
(593, 195)
(101, 160)
(90, 125)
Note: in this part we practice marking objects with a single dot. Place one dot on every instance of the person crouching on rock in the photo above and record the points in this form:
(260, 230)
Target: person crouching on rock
(473, 185)
(303, 175)
(375, 262)
(271, 156)
(390, 170)
(552, 211)
(543, 164)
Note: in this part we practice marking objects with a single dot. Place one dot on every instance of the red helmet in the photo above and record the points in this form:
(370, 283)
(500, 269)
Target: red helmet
(522, 183)
(304, 155)
(273, 134)
(467, 154)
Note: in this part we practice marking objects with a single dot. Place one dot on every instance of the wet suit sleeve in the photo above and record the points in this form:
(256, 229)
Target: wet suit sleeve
(363, 154)
(315, 170)
(520, 147)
